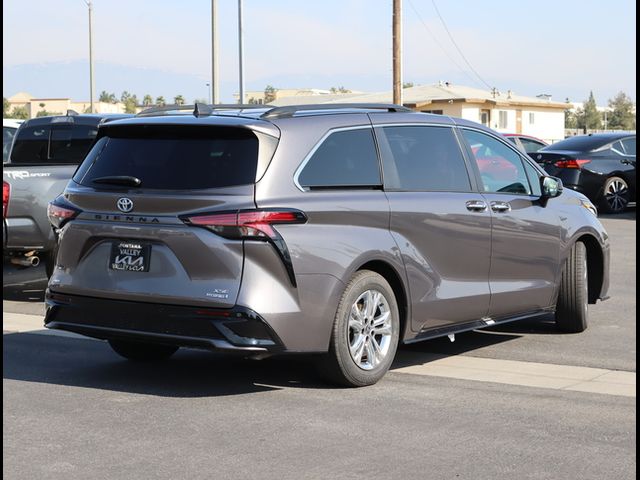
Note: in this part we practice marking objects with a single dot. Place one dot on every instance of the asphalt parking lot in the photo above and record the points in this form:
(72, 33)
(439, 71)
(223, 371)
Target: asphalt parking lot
(517, 402)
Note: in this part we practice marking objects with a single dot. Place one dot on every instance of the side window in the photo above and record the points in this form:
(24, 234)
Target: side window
(501, 169)
(629, 145)
(31, 145)
(426, 158)
(70, 144)
(531, 145)
(7, 138)
(344, 159)
(534, 179)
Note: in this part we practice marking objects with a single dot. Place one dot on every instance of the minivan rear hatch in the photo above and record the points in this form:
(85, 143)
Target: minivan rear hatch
(135, 192)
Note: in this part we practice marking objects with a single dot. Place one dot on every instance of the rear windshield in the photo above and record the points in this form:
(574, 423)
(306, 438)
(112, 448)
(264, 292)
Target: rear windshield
(58, 144)
(582, 143)
(173, 158)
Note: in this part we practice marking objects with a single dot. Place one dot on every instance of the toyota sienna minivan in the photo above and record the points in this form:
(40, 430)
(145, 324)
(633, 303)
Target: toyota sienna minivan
(339, 230)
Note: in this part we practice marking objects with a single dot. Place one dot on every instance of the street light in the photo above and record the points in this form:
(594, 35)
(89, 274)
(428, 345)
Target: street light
(91, 88)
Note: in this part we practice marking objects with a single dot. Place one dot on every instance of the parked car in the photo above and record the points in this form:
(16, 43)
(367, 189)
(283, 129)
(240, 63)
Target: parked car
(9, 129)
(335, 230)
(45, 153)
(602, 166)
(527, 143)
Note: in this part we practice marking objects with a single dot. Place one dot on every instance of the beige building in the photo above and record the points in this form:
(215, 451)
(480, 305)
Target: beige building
(58, 106)
(505, 112)
(257, 96)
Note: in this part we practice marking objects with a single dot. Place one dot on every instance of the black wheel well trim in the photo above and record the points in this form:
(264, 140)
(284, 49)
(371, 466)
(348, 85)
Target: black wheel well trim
(595, 266)
(391, 275)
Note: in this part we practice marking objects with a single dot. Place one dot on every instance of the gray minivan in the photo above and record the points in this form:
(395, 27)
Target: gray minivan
(340, 230)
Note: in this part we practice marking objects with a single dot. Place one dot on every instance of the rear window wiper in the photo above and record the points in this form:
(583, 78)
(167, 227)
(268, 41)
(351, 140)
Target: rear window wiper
(125, 180)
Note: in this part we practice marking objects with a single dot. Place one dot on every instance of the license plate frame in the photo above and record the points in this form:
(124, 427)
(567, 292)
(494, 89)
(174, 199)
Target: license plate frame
(130, 256)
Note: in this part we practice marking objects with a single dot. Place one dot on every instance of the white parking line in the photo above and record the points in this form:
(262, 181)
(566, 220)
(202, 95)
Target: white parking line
(463, 367)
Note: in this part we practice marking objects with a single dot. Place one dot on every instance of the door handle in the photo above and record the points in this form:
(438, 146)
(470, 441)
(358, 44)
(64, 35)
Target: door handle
(500, 207)
(476, 206)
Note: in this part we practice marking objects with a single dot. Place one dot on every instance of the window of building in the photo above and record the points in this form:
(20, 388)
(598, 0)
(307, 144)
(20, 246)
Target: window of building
(423, 159)
(345, 159)
(502, 119)
(501, 168)
(532, 118)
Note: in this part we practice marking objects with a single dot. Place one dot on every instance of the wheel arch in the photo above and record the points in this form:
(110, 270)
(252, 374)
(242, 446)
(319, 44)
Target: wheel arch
(595, 266)
(391, 275)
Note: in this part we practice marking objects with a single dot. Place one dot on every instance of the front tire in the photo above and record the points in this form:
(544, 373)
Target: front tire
(365, 332)
(573, 298)
(615, 195)
(142, 352)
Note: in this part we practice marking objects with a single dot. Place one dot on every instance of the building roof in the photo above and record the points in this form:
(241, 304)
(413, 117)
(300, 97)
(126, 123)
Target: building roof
(424, 95)
(20, 97)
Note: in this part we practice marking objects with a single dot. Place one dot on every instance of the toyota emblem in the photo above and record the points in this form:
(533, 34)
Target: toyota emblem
(125, 204)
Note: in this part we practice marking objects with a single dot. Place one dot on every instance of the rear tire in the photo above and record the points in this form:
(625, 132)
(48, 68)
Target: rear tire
(573, 298)
(142, 352)
(365, 332)
(615, 195)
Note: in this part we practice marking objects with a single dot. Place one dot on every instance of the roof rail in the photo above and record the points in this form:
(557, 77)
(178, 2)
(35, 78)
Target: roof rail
(291, 110)
(199, 109)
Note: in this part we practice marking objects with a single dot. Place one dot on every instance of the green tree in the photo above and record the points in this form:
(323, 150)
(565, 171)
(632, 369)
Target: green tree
(130, 104)
(107, 97)
(407, 85)
(570, 118)
(125, 96)
(147, 100)
(178, 100)
(5, 107)
(270, 93)
(160, 101)
(20, 113)
(591, 116)
(339, 89)
(622, 116)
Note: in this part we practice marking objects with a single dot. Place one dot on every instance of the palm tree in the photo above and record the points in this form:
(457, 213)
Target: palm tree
(147, 100)
(178, 100)
(160, 101)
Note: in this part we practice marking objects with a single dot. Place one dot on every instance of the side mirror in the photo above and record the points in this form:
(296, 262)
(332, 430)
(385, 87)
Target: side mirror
(551, 187)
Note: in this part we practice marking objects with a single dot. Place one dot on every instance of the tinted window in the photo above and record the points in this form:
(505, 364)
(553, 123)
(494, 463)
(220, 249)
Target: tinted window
(31, 145)
(344, 159)
(629, 145)
(70, 144)
(7, 137)
(581, 143)
(173, 158)
(531, 145)
(424, 159)
(501, 169)
(534, 178)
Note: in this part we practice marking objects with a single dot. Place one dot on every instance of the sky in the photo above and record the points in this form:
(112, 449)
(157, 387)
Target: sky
(565, 48)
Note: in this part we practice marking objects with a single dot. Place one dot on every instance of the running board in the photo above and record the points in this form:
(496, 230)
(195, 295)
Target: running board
(452, 330)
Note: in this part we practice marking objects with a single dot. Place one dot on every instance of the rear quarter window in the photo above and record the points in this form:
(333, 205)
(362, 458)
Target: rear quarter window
(344, 159)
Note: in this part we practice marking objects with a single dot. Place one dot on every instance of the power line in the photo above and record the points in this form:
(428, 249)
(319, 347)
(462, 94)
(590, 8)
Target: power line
(457, 47)
(437, 42)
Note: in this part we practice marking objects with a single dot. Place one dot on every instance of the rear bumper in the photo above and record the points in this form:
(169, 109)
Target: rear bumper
(235, 329)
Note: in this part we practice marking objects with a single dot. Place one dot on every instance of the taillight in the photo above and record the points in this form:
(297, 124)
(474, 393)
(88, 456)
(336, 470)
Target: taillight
(247, 224)
(573, 163)
(60, 211)
(6, 192)
(253, 225)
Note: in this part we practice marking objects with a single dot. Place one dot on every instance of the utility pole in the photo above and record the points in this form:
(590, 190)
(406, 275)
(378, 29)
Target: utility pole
(91, 85)
(240, 54)
(214, 53)
(397, 52)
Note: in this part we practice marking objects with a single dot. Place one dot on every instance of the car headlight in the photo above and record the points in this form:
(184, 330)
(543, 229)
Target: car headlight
(589, 206)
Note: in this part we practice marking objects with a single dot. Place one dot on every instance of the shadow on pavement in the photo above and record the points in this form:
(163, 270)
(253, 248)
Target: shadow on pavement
(629, 214)
(23, 284)
(190, 373)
